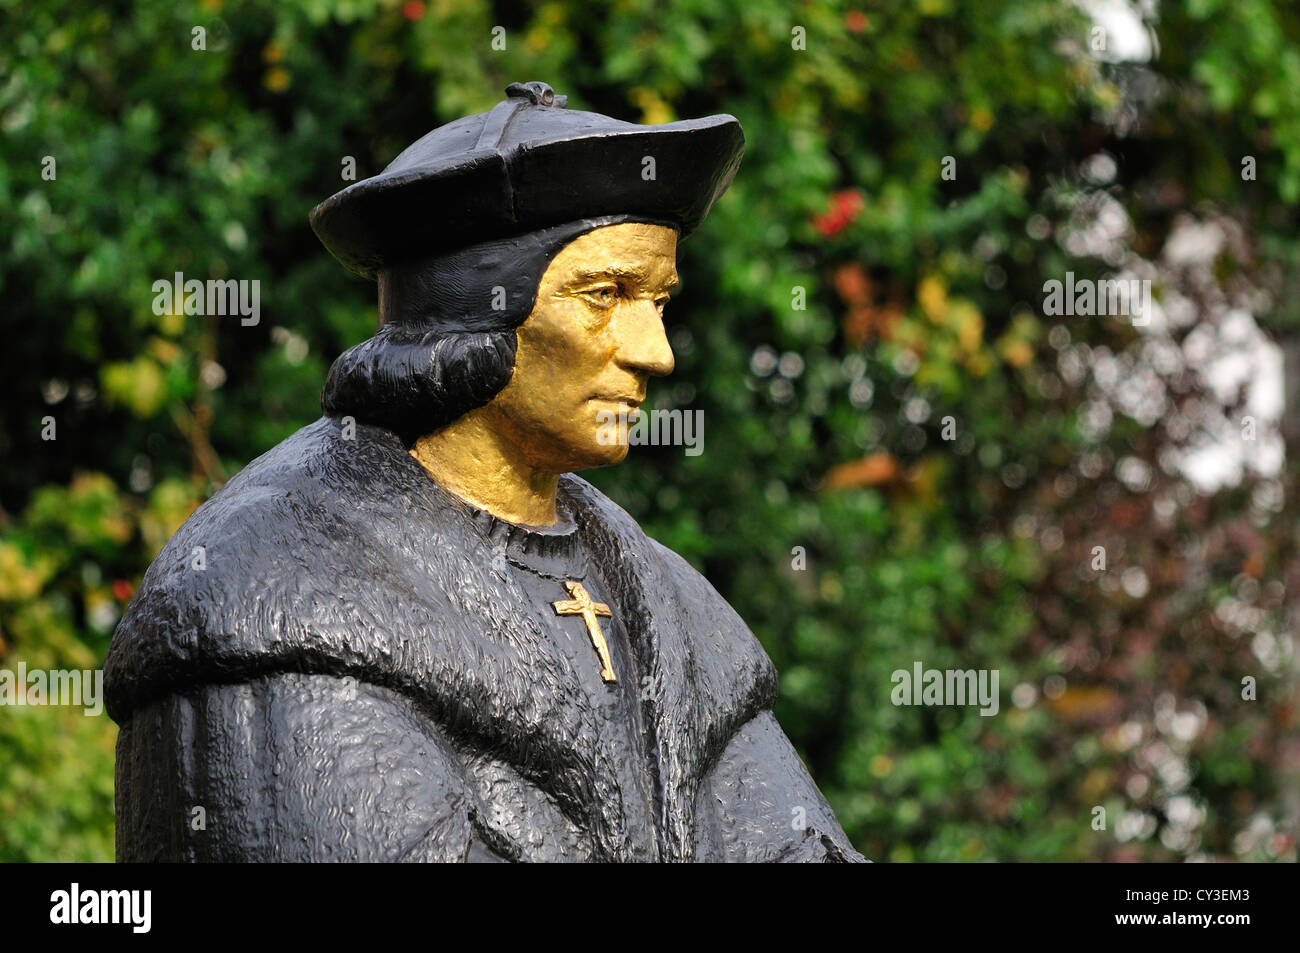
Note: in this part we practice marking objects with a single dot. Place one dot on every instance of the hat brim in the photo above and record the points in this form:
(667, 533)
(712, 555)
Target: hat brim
(672, 172)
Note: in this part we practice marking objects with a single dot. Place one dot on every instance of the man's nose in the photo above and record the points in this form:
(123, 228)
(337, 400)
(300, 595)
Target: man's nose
(642, 345)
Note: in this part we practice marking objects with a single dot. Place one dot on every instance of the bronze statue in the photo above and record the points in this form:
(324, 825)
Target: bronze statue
(408, 632)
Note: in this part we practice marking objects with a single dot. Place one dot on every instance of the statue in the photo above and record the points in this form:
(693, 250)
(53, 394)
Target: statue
(408, 632)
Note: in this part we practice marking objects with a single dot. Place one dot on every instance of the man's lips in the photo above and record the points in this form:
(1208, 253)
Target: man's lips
(629, 401)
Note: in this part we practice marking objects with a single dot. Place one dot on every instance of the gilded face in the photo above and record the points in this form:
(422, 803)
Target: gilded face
(593, 339)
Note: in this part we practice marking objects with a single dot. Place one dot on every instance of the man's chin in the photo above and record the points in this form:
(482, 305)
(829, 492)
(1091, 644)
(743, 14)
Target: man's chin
(599, 456)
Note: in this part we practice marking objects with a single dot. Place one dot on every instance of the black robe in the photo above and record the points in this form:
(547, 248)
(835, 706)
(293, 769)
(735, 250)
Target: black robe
(335, 659)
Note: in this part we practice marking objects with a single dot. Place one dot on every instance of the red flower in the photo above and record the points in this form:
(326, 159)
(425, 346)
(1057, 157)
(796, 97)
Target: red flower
(413, 10)
(843, 208)
(856, 21)
(122, 590)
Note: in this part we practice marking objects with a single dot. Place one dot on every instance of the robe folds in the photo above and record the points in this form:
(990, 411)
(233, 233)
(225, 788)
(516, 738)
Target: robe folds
(336, 659)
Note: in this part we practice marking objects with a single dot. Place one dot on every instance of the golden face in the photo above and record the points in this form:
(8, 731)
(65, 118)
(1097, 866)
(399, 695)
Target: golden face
(593, 339)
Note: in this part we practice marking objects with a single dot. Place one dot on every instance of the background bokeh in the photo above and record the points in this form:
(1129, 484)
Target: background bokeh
(1101, 139)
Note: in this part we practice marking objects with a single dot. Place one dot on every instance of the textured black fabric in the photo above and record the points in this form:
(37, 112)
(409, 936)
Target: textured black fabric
(365, 669)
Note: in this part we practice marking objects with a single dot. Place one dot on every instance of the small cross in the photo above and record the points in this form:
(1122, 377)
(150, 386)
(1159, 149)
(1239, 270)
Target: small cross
(582, 605)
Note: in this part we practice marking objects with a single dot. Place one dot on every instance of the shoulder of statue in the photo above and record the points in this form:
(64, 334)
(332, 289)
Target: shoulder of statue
(270, 570)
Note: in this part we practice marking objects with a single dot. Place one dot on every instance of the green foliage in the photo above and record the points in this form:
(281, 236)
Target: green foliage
(823, 424)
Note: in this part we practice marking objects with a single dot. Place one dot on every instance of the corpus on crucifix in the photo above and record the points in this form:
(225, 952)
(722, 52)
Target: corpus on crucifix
(582, 605)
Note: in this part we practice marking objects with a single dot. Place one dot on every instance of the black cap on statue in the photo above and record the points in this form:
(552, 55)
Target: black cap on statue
(528, 164)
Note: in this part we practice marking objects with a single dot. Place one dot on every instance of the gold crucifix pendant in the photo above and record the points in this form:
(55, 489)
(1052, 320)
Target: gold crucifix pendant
(582, 604)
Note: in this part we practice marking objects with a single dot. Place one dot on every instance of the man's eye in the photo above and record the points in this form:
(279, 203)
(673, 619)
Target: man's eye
(661, 302)
(602, 297)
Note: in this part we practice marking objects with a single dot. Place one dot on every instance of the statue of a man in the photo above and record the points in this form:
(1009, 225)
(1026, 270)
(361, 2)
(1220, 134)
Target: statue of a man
(408, 632)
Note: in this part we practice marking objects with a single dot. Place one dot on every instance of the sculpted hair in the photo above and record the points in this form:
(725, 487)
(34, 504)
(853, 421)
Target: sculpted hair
(446, 341)
(413, 382)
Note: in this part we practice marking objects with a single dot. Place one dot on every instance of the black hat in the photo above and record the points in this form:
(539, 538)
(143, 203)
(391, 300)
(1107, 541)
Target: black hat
(528, 164)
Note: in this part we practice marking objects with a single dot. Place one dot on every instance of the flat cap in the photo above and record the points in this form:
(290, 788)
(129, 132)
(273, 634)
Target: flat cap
(526, 164)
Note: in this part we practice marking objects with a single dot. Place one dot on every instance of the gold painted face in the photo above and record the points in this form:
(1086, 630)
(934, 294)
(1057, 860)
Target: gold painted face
(593, 339)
